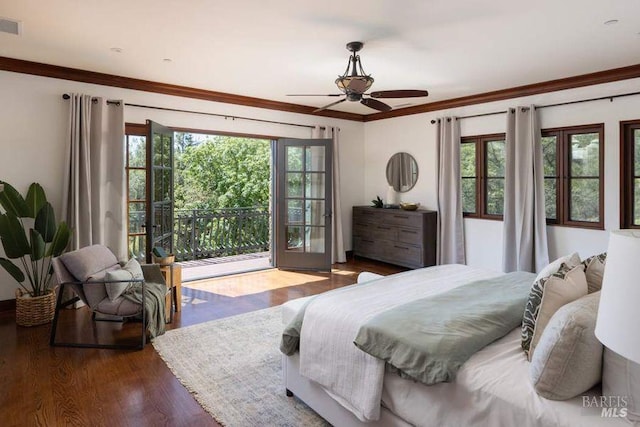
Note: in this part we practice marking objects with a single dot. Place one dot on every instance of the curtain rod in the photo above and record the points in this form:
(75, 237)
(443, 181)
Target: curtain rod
(538, 107)
(226, 116)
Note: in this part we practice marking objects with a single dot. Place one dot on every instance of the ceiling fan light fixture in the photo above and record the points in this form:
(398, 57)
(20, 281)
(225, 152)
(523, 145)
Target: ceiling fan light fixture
(354, 79)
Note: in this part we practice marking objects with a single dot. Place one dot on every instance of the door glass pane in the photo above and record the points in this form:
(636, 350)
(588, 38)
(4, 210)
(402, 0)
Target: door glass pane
(469, 195)
(495, 158)
(137, 150)
(294, 157)
(314, 212)
(295, 238)
(584, 200)
(549, 150)
(495, 196)
(468, 160)
(157, 149)
(636, 201)
(294, 212)
(314, 241)
(315, 159)
(136, 217)
(137, 184)
(550, 198)
(166, 150)
(294, 185)
(314, 185)
(585, 154)
(636, 151)
(137, 247)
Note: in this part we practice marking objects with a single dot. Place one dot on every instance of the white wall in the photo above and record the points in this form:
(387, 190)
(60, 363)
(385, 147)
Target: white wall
(416, 135)
(33, 123)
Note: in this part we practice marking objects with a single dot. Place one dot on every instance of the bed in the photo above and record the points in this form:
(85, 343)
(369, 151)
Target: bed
(491, 388)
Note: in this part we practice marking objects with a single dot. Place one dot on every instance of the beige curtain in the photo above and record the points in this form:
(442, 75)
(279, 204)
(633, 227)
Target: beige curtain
(525, 224)
(450, 223)
(337, 250)
(94, 193)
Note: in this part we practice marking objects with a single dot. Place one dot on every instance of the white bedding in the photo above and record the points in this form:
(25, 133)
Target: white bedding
(492, 389)
(327, 353)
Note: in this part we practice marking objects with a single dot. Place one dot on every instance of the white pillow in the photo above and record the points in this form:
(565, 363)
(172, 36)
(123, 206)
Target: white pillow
(547, 295)
(571, 260)
(568, 357)
(131, 270)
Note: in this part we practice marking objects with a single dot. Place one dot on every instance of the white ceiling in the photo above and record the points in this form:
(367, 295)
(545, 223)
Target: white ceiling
(270, 48)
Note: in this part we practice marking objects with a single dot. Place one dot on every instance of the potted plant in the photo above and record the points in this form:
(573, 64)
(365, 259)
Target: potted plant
(31, 237)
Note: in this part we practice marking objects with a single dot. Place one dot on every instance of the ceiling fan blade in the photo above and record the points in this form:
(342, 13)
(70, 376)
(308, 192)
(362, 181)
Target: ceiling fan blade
(375, 104)
(329, 105)
(331, 94)
(399, 93)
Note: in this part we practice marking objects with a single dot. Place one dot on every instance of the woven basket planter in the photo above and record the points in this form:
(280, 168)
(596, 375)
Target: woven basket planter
(33, 311)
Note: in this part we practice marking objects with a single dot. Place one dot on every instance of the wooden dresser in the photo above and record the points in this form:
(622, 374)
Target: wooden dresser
(406, 238)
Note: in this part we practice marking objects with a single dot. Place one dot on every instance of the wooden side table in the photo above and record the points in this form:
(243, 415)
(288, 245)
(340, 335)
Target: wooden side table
(173, 276)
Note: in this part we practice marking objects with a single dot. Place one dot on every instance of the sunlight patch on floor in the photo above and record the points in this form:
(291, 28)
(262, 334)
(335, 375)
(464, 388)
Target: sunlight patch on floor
(254, 283)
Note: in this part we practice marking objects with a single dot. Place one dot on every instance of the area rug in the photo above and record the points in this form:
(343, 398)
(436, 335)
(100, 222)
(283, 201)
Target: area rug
(233, 368)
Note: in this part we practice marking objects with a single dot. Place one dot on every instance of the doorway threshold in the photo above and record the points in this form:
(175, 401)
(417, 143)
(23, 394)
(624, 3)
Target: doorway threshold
(224, 266)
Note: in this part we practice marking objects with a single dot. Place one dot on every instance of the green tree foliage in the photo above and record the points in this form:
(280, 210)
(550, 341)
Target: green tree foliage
(221, 172)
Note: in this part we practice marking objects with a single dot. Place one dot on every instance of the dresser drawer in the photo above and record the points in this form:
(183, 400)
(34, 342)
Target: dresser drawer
(366, 247)
(402, 254)
(410, 235)
(403, 219)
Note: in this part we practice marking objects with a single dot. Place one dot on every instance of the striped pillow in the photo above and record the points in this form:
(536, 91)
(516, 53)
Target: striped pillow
(547, 295)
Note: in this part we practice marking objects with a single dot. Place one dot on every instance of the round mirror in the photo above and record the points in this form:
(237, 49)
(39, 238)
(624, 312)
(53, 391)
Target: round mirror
(402, 172)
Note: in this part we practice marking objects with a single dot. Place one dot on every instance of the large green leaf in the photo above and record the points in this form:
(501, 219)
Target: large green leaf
(35, 199)
(12, 201)
(14, 239)
(60, 240)
(37, 245)
(12, 269)
(46, 222)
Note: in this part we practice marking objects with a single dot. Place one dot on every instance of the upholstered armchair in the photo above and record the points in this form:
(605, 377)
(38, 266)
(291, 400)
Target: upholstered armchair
(103, 284)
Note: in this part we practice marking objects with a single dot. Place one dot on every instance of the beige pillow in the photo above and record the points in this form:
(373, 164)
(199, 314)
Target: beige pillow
(571, 260)
(131, 270)
(547, 295)
(594, 270)
(568, 358)
(621, 384)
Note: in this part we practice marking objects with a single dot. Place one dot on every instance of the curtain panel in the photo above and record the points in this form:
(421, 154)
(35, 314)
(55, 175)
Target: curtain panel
(450, 221)
(337, 239)
(94, 193)
(525, 227)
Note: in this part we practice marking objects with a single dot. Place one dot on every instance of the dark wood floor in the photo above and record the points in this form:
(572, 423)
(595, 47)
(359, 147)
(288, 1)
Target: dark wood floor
(45, 386)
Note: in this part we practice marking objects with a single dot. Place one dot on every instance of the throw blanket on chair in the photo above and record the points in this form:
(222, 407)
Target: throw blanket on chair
(154, 312)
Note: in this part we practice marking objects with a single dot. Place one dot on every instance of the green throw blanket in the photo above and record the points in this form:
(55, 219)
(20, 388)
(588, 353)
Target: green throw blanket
(429, 339)
(154, 311)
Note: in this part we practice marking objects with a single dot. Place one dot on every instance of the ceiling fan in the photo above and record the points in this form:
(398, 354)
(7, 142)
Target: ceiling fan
(354, 83)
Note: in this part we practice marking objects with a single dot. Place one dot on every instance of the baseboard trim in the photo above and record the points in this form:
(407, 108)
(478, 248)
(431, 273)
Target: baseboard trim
(8, 305)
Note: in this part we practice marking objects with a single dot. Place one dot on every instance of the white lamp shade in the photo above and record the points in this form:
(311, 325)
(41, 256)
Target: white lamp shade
(618, 324)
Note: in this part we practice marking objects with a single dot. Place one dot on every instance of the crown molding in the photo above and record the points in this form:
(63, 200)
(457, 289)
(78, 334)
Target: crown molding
(599, 77)
(75, 74)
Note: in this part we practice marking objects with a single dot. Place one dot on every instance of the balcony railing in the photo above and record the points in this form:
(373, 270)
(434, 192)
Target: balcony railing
(211, 233)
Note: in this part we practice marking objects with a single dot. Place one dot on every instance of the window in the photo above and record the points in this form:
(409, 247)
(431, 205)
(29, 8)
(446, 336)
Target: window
(573, 175)
(630, 164)
(136, 175)
(482, 171)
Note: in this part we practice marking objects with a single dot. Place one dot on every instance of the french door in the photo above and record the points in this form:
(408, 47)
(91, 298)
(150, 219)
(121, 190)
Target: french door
(303, 204)
(159, 209)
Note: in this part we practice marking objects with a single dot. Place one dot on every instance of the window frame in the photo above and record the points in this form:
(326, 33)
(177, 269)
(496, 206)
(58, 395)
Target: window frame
(134, 129)
(627, 172)
(563, 170)
(481, 142)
